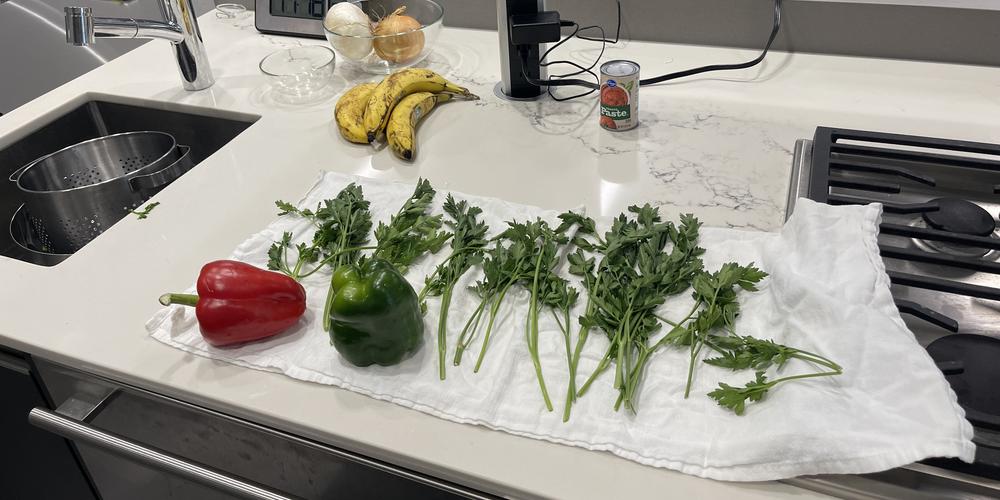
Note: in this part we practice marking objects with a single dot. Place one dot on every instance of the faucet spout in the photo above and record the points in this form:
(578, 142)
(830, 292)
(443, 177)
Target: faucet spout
(80, 29)
(180, 28)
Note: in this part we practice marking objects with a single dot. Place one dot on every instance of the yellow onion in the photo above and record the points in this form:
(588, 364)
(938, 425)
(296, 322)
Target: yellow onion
(398, 37)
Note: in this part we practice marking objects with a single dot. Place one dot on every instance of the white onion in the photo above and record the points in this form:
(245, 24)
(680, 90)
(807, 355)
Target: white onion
(346, 18)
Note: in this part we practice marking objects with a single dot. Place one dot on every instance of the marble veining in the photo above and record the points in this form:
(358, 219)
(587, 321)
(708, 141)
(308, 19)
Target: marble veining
(724, 163)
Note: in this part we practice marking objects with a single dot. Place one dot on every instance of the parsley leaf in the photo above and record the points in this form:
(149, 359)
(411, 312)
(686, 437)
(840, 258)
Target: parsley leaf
(411, 232)
(735, 398)
(144, 213)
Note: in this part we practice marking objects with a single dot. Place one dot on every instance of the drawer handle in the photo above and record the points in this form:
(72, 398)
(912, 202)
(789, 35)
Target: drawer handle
(83, 433)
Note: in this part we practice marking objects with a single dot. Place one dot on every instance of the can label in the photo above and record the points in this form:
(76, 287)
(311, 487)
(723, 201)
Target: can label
(619, 95)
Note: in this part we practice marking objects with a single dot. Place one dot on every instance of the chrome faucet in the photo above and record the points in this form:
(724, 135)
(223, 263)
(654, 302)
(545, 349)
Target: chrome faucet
(179, 27)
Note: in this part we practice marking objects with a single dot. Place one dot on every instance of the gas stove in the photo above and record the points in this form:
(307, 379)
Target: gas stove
(940, 242)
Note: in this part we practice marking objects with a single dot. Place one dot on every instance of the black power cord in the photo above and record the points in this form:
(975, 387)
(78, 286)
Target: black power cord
(563, 80)
(776, 26)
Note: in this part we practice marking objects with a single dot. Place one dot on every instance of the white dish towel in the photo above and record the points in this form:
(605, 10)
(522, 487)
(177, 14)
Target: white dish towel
(827, 293)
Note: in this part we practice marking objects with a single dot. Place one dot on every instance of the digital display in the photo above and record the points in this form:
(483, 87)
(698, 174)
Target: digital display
(302, 9)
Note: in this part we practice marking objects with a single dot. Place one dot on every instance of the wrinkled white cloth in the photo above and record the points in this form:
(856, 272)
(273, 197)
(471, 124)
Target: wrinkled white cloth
(827, 293)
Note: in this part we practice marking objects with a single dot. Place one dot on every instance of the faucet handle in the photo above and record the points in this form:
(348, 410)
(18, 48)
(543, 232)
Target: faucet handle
(79, 26)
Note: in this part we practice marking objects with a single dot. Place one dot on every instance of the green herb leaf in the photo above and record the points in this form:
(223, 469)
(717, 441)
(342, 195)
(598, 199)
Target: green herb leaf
(411, 232)
(144, 213)
(735, 398)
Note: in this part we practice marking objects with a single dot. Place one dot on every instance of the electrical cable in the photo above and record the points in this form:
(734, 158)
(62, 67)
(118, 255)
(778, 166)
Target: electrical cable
(724, 67)
(562, 80)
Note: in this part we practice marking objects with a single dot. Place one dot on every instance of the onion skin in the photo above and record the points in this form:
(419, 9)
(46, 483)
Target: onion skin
(351, 30)
(407, 42)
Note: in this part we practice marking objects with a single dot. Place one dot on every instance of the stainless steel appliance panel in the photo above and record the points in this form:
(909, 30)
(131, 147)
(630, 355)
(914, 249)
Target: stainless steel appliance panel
(130, 424)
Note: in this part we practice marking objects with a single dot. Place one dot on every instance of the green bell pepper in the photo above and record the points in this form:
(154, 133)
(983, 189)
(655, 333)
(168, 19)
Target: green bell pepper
(375, 315)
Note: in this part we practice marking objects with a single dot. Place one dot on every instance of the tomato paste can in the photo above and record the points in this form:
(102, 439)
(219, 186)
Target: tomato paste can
(619, 95)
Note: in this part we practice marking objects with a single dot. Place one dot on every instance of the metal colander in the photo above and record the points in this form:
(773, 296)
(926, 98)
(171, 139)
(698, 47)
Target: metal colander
(73, 195)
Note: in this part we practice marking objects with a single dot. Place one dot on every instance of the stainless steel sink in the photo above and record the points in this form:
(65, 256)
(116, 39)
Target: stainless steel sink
(205, 131)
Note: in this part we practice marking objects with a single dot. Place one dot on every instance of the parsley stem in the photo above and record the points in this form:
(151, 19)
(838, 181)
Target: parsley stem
(571, 385)
(284, 263)
(816, 358)
(623, 346)
(687, 318)
(635, 377)
(494, 309)
(423, 291)
(571, 396)
(472, 325)
(437, 271)
(532, 331)
(332, 257)
(559, 322)
(443, 330)
(667, 321)
(581, 339)
(699, 337)
(776, 381)
(690, 374)
(603, 365)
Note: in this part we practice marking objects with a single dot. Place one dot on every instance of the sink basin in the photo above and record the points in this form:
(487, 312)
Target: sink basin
(205, 131)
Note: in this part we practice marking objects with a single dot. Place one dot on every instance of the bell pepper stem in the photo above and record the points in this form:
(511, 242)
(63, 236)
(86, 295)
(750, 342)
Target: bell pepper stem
(184, 299)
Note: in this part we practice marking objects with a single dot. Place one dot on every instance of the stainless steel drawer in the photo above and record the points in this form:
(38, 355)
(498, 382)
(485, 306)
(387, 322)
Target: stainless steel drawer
(138, 444)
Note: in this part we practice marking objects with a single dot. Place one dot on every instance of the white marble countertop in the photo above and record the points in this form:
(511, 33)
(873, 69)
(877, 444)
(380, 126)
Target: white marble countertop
(717, 145)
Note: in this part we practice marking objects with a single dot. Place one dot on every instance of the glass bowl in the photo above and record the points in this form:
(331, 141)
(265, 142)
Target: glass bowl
(389, 52)
(299, 72)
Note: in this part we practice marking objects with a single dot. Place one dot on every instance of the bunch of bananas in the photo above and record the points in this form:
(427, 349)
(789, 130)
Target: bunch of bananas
(394, 107)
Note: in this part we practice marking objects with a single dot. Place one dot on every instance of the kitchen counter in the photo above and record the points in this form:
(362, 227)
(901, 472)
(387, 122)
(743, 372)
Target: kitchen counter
(718, 145)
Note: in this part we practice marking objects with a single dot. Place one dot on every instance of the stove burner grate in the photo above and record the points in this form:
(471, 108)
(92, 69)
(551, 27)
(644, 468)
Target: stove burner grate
(959, 235)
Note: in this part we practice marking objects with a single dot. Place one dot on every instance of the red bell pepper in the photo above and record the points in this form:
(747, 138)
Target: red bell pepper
(237, 302)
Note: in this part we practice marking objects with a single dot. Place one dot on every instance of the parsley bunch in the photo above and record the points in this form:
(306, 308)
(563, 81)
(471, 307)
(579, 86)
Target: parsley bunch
(467, 245)
(711, 323)
(503, 266)
(739, 353)
(342, 225)
(715, 310)
(525, 254)
(634, 277)
(411, 232)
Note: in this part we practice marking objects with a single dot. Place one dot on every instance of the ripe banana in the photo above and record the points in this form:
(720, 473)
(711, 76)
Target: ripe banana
(401, 130)
(399, 85)
(350, 112)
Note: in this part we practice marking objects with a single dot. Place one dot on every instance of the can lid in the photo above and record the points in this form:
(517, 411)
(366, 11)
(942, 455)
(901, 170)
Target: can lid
(619, 67)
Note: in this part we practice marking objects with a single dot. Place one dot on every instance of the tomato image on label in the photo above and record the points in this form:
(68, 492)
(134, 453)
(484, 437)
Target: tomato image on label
(607, 122)
(613, 95)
